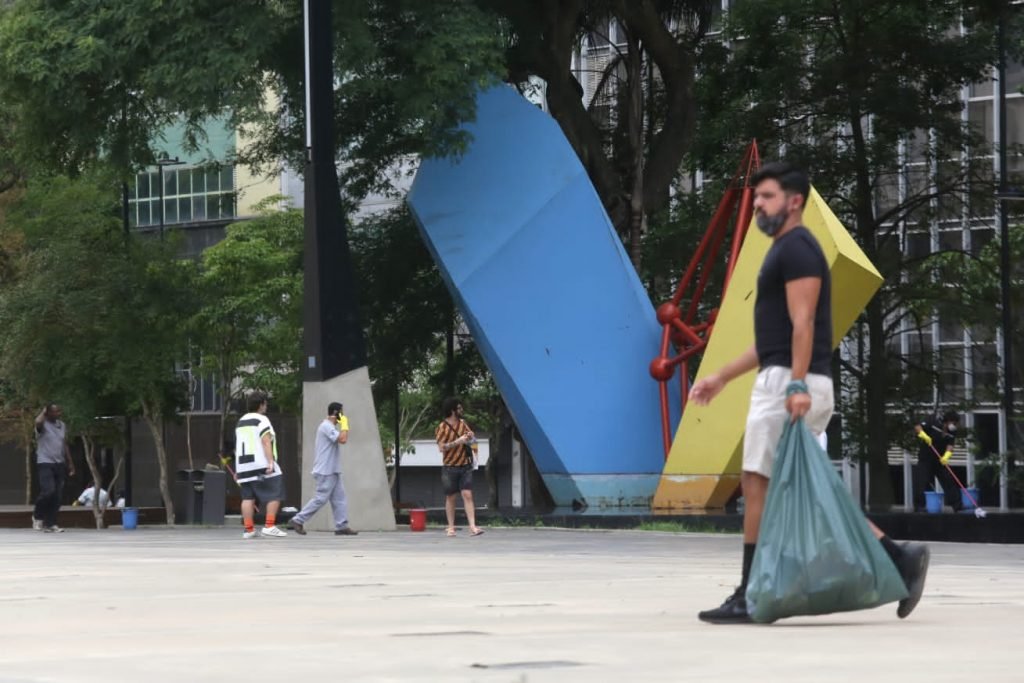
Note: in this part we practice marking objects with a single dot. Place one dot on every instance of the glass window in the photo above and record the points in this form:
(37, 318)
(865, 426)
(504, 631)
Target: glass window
(199, 208)
(227, 178)
(170, 183)
(144, 217)
(213, 206)
(212, 179)
(1014, 76)
(951, 200)
(980, 237)
(917, 145)
(982, 118)
(184, 209)
(170, 210)
(951, 240)
(951, 374)
(888, 191)
(950, 327)
(184, 181)
(985, 371)
(981, 88)
(198, 181)
(1015, 121)
(143, 183)
(919, 244)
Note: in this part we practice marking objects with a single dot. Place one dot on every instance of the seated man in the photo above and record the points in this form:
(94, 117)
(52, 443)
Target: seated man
(90, 493)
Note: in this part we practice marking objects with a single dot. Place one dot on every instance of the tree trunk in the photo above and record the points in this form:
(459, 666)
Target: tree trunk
(28, 467)
(876, 377)
(635, 143)
(97, 479)
(156, 429)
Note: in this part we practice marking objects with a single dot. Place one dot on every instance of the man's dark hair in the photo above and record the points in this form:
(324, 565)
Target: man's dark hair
(255, 400)
(334, 408)
(450, 404)
(951, 416)
(790, 178)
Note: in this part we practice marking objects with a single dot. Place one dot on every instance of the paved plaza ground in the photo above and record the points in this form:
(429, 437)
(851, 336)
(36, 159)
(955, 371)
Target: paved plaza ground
(514, 605)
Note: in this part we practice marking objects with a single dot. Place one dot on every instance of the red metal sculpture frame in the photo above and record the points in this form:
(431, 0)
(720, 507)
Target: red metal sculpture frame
(688, 334)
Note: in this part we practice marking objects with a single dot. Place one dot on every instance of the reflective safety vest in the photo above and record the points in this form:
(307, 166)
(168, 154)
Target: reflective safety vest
(250, 459)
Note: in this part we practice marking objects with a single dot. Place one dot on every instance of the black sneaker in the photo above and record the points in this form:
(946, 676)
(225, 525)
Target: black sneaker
(732, 611)
(913, 567)
(297, 528)
(346, 531)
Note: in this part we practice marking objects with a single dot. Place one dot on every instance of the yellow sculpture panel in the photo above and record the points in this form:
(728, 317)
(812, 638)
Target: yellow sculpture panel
(703, 466)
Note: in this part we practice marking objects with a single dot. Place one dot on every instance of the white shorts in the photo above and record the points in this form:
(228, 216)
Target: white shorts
(767, 417)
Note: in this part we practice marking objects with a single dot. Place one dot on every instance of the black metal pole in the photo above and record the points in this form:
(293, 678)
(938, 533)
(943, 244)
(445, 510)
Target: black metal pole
(334, 342)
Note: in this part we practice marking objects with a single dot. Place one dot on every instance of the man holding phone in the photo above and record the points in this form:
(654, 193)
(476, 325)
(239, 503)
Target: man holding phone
(330, 435)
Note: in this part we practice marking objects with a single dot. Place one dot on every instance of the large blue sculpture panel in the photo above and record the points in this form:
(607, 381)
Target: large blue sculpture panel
(552, 300)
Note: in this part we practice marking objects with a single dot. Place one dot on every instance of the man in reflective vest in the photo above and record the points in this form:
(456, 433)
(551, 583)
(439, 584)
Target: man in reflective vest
(256, 468)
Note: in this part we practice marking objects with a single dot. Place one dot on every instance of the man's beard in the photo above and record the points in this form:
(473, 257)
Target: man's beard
(770, 225)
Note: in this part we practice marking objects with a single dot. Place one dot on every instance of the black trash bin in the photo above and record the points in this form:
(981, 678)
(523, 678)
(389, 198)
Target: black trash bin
(200, 496)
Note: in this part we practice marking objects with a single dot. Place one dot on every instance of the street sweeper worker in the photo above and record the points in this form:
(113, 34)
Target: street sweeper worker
(937, 437)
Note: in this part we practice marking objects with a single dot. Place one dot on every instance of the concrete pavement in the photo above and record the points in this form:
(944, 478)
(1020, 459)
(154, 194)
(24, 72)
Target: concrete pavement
(157, 605)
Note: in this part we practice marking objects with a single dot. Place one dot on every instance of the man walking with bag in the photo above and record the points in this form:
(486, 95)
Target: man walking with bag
(330, 435)
(792, 350)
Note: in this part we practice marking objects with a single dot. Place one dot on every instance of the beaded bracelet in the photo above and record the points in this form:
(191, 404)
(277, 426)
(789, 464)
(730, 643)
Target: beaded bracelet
(797, 386)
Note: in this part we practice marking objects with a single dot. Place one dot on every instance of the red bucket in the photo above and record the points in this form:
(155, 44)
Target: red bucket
(417, 519)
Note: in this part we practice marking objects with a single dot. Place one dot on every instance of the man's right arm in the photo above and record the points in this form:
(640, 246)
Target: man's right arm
(39, 420)
(706, 389)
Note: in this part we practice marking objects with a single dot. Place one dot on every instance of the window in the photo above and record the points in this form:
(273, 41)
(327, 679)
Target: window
(190, 194)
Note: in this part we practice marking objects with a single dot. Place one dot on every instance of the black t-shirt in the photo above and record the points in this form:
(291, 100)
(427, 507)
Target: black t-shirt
(795, 255)
(941, 439)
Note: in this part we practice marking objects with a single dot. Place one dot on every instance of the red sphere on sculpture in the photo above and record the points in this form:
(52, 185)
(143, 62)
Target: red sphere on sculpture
(667, 312)
(661, 369)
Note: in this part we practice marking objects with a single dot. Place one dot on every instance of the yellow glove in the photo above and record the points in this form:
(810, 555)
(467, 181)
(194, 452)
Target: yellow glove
(946, 456)
(923, 435)
(342, 423)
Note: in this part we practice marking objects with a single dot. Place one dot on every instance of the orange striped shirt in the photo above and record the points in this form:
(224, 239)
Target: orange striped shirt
(446, 434)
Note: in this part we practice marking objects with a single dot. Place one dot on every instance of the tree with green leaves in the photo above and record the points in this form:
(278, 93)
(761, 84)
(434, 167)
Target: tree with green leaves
(867, 96)
(248, 324)
(95, 319)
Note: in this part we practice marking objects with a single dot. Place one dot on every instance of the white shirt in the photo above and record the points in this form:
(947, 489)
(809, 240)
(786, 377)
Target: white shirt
(89, 494)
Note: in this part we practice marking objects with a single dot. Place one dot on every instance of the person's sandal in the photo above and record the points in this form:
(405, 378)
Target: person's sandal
(451, 531)
(477, 531)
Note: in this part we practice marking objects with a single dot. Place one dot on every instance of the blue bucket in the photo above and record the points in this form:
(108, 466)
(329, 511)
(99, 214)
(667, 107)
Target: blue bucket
(130, 518)
(933, 501)
(965, 500)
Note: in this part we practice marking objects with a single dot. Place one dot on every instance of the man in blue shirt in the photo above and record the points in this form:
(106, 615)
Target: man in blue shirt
(330, 435)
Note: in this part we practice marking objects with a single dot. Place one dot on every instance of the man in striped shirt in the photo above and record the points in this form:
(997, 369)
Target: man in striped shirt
(454, 438)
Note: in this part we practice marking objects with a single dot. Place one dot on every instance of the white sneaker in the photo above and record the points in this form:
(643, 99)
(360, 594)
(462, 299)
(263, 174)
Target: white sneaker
(37, 524)
(272, 531)
(249, 534)
(53, 529)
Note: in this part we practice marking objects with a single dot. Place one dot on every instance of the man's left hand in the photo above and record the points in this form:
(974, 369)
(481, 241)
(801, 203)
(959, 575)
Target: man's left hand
(798, 405)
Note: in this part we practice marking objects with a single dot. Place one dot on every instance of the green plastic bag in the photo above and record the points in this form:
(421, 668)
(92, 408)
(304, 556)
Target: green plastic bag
(815, 553)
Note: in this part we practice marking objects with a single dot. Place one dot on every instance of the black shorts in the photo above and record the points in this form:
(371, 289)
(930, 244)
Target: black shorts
(263, 490)
(455, 479)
